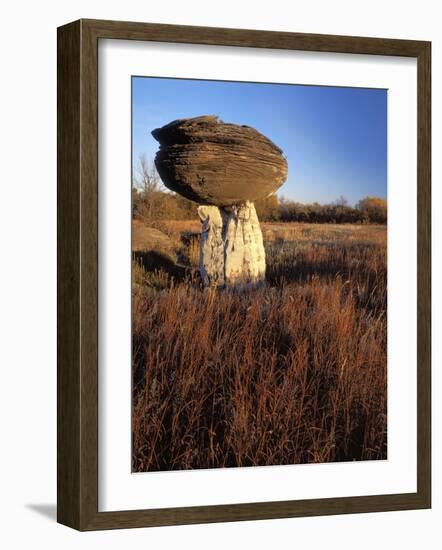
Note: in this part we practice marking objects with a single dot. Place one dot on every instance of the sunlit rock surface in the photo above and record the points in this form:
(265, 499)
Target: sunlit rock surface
(212, 162)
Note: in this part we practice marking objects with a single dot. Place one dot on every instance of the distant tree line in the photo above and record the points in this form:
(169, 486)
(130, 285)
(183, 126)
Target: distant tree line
(150, 201)
(367, 210)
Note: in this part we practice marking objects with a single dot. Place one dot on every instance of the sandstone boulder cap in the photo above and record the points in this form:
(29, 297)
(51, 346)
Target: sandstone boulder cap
(212, 162)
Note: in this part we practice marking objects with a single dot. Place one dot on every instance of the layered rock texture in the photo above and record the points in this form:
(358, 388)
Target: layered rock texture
(212, 162)
(224, 168)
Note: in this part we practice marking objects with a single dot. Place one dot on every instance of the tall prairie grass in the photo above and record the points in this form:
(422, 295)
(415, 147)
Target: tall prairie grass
(293, 372)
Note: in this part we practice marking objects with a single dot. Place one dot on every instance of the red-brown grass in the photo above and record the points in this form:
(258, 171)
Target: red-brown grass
(294, 372)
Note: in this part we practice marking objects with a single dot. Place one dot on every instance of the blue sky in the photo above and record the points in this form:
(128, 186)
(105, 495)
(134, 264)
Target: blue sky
(335, 139)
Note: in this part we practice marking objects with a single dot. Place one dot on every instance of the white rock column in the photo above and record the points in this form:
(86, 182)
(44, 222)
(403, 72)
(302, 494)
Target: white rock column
(211, 246)
(232, 247)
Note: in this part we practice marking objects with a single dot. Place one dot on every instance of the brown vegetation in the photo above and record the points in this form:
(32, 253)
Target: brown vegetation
(291, 373)
(160, 205)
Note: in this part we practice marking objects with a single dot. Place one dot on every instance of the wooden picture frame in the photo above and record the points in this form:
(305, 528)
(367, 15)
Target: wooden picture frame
(77, 462)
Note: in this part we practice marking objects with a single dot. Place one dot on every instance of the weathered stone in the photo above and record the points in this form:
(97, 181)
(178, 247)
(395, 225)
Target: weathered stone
(232, 248)
(212, 162)
(148, 238)
(211, 246)
(153, 248)
(244, 247)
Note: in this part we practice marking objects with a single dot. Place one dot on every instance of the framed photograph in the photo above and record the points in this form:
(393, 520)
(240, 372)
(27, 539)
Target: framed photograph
(243, 274)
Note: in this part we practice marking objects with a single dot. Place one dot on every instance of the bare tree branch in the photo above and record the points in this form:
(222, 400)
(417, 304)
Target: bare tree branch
(146, 177)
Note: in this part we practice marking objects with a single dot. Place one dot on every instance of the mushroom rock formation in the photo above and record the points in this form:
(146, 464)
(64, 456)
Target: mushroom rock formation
(211, 162)
(223, 167)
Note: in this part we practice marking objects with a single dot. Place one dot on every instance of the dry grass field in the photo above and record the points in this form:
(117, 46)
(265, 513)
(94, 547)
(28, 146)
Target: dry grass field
(293, 372)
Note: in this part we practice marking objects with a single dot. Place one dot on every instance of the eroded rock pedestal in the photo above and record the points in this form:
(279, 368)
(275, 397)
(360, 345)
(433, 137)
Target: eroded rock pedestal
(232, 247)
(223, 167)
